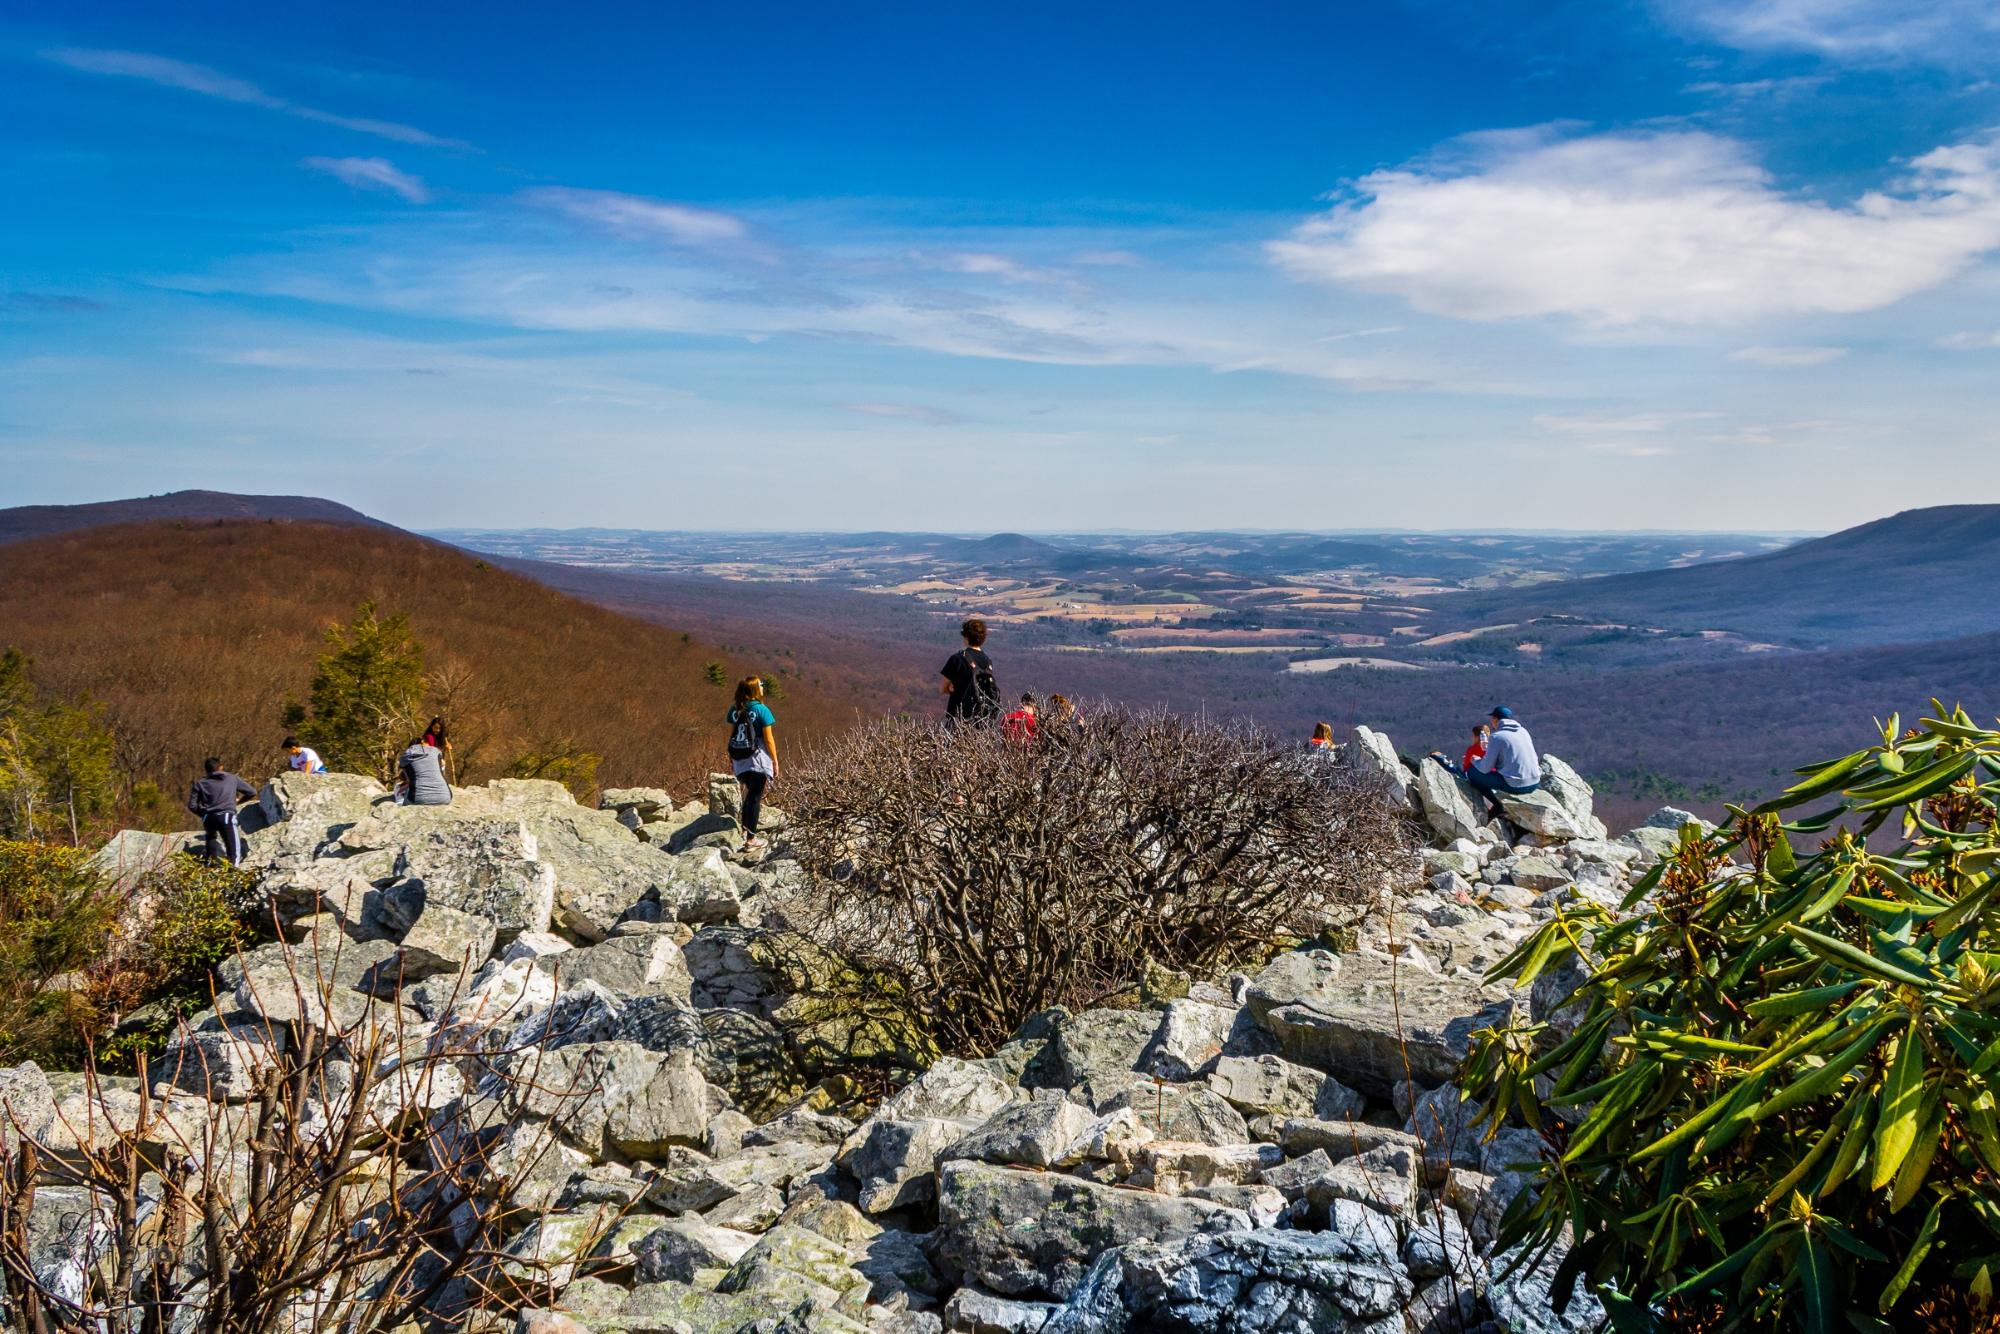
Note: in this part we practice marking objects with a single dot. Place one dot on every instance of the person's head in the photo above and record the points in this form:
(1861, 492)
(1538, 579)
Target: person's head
(973, 632)
(436, 728)
(1028, 703)
(1501, 714)
(749, 688)
(1479, 732)
(1060, 706)
(292, 745)
(211, 766)
(417, 743)
(1322, 731)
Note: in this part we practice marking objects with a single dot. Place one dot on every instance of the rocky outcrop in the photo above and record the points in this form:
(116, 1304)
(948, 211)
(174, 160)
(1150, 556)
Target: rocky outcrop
(1280, 1151)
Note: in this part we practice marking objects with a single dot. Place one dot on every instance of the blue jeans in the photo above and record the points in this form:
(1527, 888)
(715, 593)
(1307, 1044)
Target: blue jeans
(1490, 785)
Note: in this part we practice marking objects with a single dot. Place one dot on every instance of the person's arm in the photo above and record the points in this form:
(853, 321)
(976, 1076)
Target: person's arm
(245, 791)
(771, 748)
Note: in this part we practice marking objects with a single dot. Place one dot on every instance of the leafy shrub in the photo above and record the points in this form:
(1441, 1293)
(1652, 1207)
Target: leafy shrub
(966, 881)
(1773, 1102)
(56, 917)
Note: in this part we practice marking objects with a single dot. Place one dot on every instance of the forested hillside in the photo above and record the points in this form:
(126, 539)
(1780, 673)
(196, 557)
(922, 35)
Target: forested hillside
(194, 638)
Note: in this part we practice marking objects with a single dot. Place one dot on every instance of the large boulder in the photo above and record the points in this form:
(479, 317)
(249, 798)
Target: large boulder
(1451, 807)
(1035, 1234)
(616, 1098)
(1539, 813)
(1373, 756)
(489, 868)
(1369, 1021)
(1094, 1045)
(1345, 1280)
(1573, 794)
(300, 816)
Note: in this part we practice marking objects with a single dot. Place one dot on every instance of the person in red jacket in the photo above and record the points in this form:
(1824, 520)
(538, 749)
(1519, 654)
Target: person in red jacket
(1021, 725)
(1476, 750)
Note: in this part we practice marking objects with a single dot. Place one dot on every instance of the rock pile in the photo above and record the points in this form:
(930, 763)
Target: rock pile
(1283, 1151)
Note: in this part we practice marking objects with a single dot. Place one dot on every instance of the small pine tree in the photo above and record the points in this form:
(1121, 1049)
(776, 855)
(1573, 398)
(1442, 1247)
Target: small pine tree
(366, 694)
(715, 674)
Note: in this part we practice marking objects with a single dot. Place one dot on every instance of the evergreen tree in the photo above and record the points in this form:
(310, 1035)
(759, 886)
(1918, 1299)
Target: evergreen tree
(366, 694)
(72, 753)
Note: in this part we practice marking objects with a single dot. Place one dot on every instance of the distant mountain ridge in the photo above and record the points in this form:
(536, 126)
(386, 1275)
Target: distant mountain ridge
(1921, 574)
(26, 521)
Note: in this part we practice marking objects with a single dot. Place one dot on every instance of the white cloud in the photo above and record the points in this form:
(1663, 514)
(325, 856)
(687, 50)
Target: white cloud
(167, 72)
(1788, 356)
(1624, 229)
(916, 412)
(1970, 341)
(639, 218)
(372, 173)
(1642, 423)
(985, 264)
(1945, 30)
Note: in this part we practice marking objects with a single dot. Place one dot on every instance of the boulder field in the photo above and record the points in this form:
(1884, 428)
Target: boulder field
(1277, 1150)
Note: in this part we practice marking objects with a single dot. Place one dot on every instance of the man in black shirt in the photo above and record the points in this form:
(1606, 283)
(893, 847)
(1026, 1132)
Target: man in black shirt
(214, 799)
(968, 679)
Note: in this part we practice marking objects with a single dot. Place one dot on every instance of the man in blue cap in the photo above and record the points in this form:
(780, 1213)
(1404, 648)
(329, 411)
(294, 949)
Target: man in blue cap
(1510, 765)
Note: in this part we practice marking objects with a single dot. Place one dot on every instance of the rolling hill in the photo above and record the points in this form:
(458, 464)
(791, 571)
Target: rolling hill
(193, 639)
(26, 521)
(1918, 575)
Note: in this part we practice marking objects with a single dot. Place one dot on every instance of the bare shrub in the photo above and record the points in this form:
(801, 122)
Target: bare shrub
(970, 880)
(351, 1170)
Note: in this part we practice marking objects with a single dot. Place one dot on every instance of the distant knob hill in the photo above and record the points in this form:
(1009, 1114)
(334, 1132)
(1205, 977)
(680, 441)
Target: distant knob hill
(193, 618)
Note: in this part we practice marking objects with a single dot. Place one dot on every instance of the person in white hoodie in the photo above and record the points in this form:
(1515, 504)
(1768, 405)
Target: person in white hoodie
(1510, 764)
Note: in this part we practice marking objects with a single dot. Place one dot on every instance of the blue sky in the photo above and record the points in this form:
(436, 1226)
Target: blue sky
(1708, 264)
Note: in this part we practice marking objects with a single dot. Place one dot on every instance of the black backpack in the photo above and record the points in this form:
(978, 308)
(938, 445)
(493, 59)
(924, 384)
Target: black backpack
(745, 735)
(983, 700)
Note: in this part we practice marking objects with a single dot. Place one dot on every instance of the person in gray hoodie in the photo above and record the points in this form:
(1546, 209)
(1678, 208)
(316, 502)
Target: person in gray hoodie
(420, 776)
(1510, 764)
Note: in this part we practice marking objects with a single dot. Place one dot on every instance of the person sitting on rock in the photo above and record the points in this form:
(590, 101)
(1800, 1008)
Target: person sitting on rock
(1509, 766)
(753, 752)
(302, 758)
(214, 797)
(1475, 750)
(420, 776)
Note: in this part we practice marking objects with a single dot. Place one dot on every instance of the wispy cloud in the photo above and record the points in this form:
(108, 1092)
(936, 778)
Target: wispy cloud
(1638, 423)
(1788, 356)
(986, 264)
(167, 72)
(638, 218)
(1625, 229)
(1946, 31)
(915, 412)
(50, 303)
(372, 173)
(1970, 340)
(1108, 259)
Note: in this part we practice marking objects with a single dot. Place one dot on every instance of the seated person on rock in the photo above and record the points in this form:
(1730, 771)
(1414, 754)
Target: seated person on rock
(420, 776)
(1509, 765)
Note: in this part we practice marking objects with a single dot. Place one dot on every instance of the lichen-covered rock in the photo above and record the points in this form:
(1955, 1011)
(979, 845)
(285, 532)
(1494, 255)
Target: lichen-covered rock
(1035, 1234)
(680, 1248)
(1043, 1133)
(1574, 795)
(1093, 1045)
(1540, 813)
(616, 1098)
(1451, 807)
(1373, 756)
(1369, 1021)
(893, 1160)
(1274, 1086)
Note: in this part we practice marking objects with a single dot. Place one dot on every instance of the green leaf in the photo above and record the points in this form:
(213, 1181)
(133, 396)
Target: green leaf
(1802, 1002)
(1925, 781)
(1860, 960)
(1917, 1165)
(1825, 1079)
(1823, 905)
(1893, 1289)
(1902, 1100)
(1815, 1271)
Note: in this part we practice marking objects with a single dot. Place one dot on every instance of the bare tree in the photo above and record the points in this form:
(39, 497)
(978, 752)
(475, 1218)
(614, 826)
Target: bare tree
(337, 1172)
(973, 879)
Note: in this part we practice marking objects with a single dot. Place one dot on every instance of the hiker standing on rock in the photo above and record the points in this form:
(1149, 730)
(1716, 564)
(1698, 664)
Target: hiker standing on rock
(214, 798)
(753, 752)
(420, 776)
(973, 694)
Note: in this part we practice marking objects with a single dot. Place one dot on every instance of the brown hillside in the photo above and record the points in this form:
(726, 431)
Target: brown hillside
(195, 636)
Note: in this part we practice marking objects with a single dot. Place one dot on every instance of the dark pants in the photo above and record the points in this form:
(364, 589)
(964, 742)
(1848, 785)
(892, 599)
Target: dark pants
(221, 825)
(753, 798)
(1491, 786)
